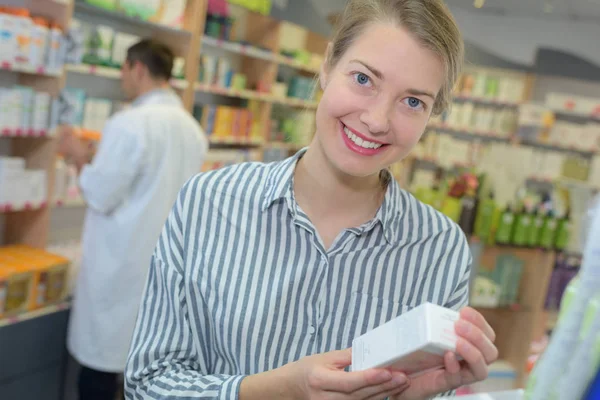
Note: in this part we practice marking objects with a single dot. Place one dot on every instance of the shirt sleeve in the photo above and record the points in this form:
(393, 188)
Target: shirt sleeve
(106, 182)
(166, 359)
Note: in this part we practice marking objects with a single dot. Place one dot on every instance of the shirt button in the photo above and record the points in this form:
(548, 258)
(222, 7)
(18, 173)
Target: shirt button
(311, 330)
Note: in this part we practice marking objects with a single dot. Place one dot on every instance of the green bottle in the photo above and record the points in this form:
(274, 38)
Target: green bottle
(521, 228)
(535, 230)
(485, 218)
(505, 227)
(548, 234)
(563, 231)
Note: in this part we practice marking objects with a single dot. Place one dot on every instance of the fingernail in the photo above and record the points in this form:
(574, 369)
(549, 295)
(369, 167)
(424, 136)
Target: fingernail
(384, 375)
(400, 380)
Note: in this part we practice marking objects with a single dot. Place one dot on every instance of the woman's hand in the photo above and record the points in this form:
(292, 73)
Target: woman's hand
(322, 376)
(476, 347)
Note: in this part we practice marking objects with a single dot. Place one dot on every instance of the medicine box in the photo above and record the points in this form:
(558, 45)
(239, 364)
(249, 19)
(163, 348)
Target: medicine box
(412, 343)
(15, 288)
(48, 273)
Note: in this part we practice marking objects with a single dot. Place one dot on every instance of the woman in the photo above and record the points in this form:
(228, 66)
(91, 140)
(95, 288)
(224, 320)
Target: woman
(265, 273)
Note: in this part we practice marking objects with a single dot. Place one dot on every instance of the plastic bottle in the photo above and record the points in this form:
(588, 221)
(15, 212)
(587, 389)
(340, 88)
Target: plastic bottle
(39, 42)
(533, 238)
(522, 227)
(548, 233)
(563, 233)
(505, 226)
(53, 61)
(23, 36)
(8, 36)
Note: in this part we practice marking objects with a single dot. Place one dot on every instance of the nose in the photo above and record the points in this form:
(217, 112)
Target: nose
(376, 117)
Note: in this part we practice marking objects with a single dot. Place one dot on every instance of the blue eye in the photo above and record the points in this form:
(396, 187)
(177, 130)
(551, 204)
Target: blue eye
(414, 103)
(362, 79)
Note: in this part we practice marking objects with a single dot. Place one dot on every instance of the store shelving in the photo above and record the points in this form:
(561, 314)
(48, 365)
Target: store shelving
(238, 48)
(40, 71)
(6, 132)
(167, 31)
(554, 147)
(471, 132)
(112, 73)
(487, 101)
(254, 95)
(576, 116)
(27, 206)
(235, 141)
(54, 308)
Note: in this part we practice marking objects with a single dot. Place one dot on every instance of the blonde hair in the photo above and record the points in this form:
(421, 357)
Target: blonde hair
(428, 21)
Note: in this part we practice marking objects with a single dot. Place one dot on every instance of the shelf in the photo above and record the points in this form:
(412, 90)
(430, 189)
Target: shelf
(471, 132)
(256, 52)
(112, 73)
(40, 71)
(484, 100)
(235, 141)
(82, 7)
(70, 203)
(27, 206)
(283, 60)
(548, 146)
(254, 95)
(51, 309)
(238, 48)
(575, 116)
(236, 93)
(24, 133)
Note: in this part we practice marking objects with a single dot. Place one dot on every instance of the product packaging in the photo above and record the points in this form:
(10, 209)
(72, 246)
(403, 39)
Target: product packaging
(8, 37)
(414, 342)
(23, 35)
(40, 33)
(41, 113)
(53, 56)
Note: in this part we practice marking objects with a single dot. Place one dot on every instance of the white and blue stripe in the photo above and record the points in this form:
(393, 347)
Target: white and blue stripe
(240, 283)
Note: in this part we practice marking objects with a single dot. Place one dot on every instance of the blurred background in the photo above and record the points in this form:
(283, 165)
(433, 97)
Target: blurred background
(514, 161)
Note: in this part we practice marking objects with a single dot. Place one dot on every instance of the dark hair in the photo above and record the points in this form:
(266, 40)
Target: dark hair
(157, 57)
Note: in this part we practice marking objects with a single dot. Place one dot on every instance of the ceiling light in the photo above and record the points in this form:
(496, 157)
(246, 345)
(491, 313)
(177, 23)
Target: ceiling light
(478, 3)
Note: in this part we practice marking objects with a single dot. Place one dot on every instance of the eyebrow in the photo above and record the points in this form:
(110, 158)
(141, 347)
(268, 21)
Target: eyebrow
(373, 70)
(379, 75)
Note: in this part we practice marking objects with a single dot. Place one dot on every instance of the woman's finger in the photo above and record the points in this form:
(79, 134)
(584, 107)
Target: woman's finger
(473, 357)
(477, 338)
(478, 320)
(350, 382)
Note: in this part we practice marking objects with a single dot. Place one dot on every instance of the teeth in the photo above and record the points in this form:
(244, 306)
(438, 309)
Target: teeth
(361, 142)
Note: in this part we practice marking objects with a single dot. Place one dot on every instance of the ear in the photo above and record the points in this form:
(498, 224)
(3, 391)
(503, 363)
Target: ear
(324, 73)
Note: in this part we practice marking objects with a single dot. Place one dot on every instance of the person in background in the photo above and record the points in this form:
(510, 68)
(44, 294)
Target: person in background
(265, 273)
(146, 154)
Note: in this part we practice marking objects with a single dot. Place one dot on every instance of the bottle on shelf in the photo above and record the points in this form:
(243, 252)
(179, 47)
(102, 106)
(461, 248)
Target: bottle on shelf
(522, 227)
(535, 229)
(548, 232)
(505, 226)
(563, 230)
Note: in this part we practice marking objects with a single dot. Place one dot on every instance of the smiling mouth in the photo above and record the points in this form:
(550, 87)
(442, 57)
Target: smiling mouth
(365, 144)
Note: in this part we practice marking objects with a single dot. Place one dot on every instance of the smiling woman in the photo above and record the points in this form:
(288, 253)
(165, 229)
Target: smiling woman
(265, 273)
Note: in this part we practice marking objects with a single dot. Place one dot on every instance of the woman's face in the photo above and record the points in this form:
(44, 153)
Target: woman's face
(377, 100)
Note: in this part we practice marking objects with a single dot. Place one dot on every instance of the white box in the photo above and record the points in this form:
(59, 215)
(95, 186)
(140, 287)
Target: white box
(413, 342)
(510, 395)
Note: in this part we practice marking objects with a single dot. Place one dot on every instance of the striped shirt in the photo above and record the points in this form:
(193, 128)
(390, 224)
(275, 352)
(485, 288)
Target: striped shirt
(240, 282)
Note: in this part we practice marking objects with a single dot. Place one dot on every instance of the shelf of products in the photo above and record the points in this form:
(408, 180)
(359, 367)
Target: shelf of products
(41, 70)
(235, 141)
(112, 73)
(18, 132)
(27, 206)
(488, 101)
(243, 49)
(81, 7)
(35, 314)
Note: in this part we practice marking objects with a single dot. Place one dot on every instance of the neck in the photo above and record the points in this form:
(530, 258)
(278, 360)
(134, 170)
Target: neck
(322, 190)
(148, 87)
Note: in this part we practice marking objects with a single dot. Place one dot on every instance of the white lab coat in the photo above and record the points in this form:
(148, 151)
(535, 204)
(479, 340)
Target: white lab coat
(145, 156)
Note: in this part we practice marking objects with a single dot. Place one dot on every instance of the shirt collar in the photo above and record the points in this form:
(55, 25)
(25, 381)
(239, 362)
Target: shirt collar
(162, 92)
(279, 186)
